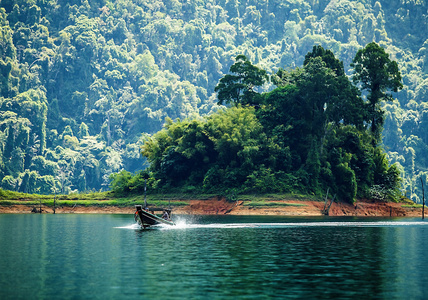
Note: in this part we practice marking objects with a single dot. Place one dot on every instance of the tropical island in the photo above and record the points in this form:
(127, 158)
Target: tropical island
(126, 96)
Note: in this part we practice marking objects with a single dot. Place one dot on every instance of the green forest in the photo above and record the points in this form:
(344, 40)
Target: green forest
(85, 84)
(311, 133)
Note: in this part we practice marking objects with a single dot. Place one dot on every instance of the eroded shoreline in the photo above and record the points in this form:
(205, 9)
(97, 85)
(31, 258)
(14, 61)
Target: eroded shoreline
(221, 207)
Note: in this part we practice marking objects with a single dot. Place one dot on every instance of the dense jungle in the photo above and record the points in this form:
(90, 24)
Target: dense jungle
(85, 84)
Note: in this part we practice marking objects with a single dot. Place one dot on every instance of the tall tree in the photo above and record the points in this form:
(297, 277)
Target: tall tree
(376, 74)
(328, 57)
(239, 88)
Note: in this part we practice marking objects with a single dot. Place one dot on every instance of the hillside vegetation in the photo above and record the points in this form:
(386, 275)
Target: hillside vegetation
(312, 133)
(84, 83)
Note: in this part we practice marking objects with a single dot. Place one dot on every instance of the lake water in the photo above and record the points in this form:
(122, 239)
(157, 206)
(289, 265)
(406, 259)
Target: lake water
(212, 257)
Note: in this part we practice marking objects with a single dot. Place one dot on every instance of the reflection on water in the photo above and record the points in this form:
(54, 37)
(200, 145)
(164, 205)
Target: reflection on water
(107, 256)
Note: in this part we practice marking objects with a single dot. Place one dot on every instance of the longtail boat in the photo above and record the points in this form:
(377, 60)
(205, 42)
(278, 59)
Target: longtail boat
(146, 217)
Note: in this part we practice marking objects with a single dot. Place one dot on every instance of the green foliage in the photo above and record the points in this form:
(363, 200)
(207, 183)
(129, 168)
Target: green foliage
(119, 181)
(377, 74)
(239, 88)
(122, 67)
(218, 151)
(265, 181)
(321, 148)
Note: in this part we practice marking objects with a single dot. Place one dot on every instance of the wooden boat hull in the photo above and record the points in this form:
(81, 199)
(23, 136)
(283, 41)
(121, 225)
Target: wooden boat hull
(146, 219)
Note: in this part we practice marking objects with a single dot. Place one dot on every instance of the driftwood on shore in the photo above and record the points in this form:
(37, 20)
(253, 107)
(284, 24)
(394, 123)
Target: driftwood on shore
(37, 210)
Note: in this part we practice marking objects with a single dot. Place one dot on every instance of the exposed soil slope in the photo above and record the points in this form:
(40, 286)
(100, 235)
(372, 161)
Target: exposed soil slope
(221, 206)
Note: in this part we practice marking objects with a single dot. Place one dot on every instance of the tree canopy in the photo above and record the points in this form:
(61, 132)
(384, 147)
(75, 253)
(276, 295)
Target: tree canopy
(239, 87)
(105, 74)
(376, 74)
(306, 135)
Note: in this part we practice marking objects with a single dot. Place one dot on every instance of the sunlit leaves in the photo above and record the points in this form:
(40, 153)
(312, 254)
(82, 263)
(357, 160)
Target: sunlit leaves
(230, 141)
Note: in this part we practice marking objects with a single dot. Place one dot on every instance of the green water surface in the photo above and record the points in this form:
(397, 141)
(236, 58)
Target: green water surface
(228, 257)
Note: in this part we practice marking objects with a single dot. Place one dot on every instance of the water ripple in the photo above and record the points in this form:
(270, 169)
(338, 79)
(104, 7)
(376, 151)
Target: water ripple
(183, 225)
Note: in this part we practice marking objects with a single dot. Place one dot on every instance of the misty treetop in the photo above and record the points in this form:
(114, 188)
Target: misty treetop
(103, 74)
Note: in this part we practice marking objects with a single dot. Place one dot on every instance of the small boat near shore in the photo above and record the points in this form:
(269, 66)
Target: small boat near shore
(146, 217)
